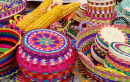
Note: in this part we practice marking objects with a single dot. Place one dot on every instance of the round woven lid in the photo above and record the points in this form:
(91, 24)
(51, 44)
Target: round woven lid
(120, 50)
(110, 33)
(45, 43)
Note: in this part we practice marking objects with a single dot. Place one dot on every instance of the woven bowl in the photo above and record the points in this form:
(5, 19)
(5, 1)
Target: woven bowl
(9, 41)
(11, 8)
(84, 41)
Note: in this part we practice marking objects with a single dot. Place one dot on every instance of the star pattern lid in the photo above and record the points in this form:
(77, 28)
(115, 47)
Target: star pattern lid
(45, 43)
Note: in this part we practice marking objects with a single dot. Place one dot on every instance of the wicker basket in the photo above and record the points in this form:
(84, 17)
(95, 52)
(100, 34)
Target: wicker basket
(84, 41)
(11, 8)
(48, 54)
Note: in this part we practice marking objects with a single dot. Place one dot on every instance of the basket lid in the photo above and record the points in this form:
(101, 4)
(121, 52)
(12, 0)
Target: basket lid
(120, 50)
(110, 33)
(45, 43)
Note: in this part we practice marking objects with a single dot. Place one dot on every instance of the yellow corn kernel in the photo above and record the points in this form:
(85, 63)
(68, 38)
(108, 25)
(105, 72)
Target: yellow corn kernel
(69, 8)
(32, 16)
(47, 19)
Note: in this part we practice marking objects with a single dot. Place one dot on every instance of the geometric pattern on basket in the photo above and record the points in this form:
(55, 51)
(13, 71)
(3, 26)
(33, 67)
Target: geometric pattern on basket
(99, 73)
(107, 43)
(105, 3)
(121, 67)
(45, 65)
(45, 43)
(124, 49)
(103, 13)
(13, 10)
(10, 71)
(47, 77)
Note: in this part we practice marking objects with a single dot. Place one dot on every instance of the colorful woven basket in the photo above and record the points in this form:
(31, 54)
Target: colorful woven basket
(45, 52)
(73, 31)
(84, 41)
(123, 10)
(11, 8)
(19, 77)
(9, 41)
(13, 69)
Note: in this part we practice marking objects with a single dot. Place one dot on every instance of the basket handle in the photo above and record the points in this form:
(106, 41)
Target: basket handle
(84, 22)
(12, 26)
(118, 18)
(73, 43)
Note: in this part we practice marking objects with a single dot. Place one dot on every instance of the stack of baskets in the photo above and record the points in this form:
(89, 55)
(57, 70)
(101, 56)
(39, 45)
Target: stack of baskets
(45, 55)
(84, 42)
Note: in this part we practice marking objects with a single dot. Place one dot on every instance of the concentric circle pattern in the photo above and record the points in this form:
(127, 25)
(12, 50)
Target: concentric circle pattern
(45, 41)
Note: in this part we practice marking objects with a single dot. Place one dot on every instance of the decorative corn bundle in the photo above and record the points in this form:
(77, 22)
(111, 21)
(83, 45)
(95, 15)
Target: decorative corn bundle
(67, 9)
(31, 17)
(47, 19)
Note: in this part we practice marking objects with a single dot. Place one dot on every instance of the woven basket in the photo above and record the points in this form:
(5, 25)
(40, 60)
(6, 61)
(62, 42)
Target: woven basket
(84, 41)
(9, 41)
(19, 77)
(120, 20)
(11, 8)
(13, 69)
(45, 53)
(73, 31)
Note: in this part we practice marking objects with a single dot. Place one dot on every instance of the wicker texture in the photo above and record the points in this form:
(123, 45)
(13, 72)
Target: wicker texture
(12, 10)
(85, 40)
(45, 55)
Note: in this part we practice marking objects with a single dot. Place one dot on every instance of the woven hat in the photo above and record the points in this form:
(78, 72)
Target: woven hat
(118, 57)
(123, 10)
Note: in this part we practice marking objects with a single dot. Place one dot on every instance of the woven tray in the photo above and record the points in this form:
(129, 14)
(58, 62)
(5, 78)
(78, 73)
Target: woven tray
(83, 44)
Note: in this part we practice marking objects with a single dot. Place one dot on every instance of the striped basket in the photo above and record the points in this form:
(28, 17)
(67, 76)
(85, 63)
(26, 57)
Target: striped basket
(9, 41)
(11, 8)
(83, 44)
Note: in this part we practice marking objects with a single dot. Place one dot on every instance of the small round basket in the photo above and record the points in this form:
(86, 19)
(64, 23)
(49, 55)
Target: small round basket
(83, 44)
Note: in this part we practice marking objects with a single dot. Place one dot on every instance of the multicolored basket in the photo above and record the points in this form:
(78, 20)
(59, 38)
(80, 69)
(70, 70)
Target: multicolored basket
(13, 69)
(84, 41)
(45, 52)
(9, 41)
(74, 30)
(19, 77)
(11, 8)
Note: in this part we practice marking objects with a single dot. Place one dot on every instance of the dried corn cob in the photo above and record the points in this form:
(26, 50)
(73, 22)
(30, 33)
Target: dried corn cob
(31, 17)
(67, 9)
(47, 19)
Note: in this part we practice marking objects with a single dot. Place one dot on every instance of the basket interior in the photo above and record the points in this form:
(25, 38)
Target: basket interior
(8, 40)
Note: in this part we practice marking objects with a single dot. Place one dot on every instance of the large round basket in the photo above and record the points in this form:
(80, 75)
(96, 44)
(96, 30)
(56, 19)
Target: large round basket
(84, 41)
